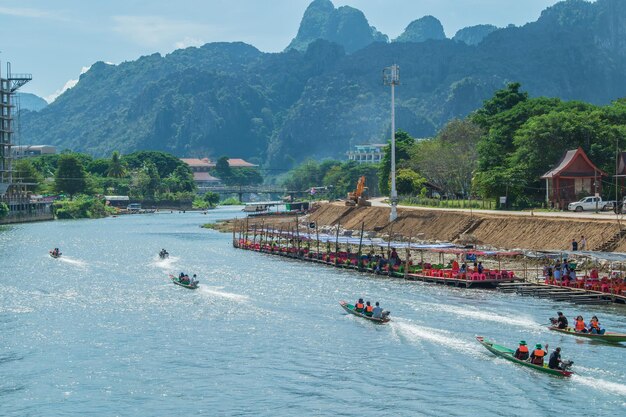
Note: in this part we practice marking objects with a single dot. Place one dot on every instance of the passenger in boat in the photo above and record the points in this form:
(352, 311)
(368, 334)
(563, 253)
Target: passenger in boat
(394, 259)
(377, 313)
(580, 326)
(369, 309)
(561, 321)
(463, 268)
(594, 326)
(536, 358)
(455, 265)
(480, 267)
(522, 351)
(555, 359)
(359, 306)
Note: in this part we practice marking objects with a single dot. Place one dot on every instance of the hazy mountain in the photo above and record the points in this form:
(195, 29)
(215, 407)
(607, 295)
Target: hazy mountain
(420, 30)
(345, 26)
(32, 102)
(473, 35)
(231, 99)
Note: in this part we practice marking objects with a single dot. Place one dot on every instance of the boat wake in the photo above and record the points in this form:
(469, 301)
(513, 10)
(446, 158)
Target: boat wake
(416, 333)
(487, 316)
(215, 292)
(601, 384)
(165, 264)
(75, 262)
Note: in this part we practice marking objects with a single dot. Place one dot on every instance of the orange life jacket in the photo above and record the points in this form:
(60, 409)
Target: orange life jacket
(369, 309)
(595, 324)
(523, 349)
(538, 356)
(359, 306)
(580, 325)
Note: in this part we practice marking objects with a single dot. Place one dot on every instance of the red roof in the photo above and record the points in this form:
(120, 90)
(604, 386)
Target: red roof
(204, 176)
(574, 163)
(239, 163)
(195, 162)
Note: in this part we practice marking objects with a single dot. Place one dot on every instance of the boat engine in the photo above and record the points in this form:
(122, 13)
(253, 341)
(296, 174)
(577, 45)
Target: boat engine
(566, 364)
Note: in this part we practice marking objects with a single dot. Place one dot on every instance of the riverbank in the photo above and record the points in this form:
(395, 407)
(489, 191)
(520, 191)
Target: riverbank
(493, 230)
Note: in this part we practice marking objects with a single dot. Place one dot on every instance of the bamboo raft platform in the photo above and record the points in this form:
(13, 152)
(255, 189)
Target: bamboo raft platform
(557, 293)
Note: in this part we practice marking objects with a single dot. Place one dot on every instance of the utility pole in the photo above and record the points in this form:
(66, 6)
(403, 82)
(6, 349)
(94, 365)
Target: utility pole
(391, 76)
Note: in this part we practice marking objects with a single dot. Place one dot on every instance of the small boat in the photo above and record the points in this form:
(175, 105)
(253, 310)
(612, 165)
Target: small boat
(192, 284)
(350, 309)
(610, 337)
(507, 354)
(55, 255)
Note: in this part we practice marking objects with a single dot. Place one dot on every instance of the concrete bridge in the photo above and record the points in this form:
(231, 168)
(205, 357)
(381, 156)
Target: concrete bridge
(240, 190)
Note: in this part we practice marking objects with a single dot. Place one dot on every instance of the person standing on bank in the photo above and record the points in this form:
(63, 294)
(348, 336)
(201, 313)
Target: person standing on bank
(574, 245)
(583, 243)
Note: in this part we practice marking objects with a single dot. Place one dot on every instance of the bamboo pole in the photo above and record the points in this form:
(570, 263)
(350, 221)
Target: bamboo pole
(254, 237)
(337, 245)
(317, 236)
(408, 255)
(358, 255)
(298, 235)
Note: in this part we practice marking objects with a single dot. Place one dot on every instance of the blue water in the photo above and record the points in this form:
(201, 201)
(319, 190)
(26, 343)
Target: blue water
(102, 332)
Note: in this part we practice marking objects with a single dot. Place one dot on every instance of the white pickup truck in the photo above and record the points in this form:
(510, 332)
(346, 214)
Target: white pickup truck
(589, 203)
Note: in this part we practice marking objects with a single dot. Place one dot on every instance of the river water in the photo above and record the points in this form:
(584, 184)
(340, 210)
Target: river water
(101, 331)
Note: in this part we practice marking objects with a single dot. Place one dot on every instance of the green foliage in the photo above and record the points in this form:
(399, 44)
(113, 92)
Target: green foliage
(409, 182)
(404, 145)
(199, 203)
(116, 167)
(25, 172)
(71, 177)
(525, 137)
(4, 210)
(81, 206)
(340, 177)
(231, 201)
(98, 167)
(165, 163)
(211, 198)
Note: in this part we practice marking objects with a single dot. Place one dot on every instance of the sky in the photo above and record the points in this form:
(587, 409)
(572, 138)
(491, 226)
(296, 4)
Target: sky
(56, 40)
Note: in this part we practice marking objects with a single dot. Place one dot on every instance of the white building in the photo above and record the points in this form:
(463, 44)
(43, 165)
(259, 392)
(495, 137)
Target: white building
(367, 154)
(26, 151)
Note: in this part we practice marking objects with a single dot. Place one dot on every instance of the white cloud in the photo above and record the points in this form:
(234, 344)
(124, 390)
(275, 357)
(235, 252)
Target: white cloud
(158, 32)
(69, 84)
(31, 13)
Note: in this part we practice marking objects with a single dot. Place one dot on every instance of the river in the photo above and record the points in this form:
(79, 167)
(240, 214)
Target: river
(102, 331)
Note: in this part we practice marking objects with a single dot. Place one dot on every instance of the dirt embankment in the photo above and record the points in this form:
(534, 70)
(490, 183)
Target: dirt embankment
(488, 230)
(504, 232)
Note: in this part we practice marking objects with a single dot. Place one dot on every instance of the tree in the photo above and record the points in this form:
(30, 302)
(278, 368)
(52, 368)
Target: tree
(71, 177)
(25, 173)
(211, 198)
(404, 143)
(4, 210)
(116, 166)
(222, 170)
(181, 180)
(410, 182)
(165, 163)
(148, 180)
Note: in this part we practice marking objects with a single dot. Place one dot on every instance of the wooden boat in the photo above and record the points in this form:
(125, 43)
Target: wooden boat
(55, 256)
(176, 281)
(610, 337)
(350, 309)
(507, 354)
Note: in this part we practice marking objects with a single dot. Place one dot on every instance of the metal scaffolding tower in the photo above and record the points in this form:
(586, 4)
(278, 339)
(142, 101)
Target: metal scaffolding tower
(8, 87)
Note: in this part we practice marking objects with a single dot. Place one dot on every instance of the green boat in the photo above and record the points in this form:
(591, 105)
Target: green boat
(610, 337)
(192, 285)
(507, 354)
(350, 309)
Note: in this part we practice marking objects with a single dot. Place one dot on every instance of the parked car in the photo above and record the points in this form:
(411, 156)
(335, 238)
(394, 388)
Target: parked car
(590, 203)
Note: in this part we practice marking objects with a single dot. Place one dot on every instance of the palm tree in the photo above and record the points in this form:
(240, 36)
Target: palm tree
(116, 167)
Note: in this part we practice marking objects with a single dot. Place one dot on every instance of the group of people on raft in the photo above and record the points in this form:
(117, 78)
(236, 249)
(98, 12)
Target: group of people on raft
(164, 254)
(537, 356)
(366, 308)
(184, 279)
(579, 324)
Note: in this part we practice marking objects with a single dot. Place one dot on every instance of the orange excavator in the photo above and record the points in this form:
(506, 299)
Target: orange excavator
(359, 196)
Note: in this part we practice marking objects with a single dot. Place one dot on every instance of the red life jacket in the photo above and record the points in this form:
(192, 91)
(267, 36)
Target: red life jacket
(595, 324)
(358, 306)
(523, 349)
(369, 309)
